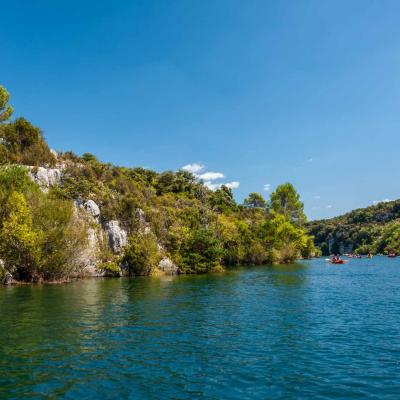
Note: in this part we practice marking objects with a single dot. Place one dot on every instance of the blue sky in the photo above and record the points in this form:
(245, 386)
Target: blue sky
(262, 92)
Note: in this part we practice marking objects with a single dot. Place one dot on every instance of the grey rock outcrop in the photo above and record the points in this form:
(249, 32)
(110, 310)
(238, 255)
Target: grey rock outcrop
(8, 279)
(117, 237)
(45, 177)
(89, 258)
(144, 226)
(168, 267)
(90, 207)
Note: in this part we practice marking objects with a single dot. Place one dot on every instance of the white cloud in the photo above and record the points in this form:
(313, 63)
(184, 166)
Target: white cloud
(193, 168)
(215, 186)
(317, 197)
(212, 186)
(211, 176)
(381, 201)
(232, 185)
(267, 187)
(328, 206)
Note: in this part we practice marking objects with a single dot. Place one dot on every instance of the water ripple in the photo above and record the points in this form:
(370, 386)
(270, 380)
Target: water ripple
(294, 332)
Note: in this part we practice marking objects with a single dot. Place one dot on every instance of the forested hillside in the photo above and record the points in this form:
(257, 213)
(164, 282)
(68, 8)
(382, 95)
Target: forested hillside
(374, 229)
(64, 215)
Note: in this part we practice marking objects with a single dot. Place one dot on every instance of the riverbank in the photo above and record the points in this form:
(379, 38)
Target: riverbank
(9, 280)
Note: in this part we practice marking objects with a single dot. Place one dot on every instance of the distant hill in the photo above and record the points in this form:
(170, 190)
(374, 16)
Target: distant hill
(375, 228)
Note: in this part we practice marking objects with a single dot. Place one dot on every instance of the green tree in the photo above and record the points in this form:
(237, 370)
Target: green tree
(255, 200)
(142, 255)
(286, 201)
(15, 177)
(19, 242)
(5, 109)
(64, 235)
(202, 252)
(25, 144)
(221, 200)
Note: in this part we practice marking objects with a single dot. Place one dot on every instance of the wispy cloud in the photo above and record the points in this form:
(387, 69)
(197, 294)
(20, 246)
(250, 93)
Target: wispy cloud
(194, 168)
(328, 206)
(310, 159)
(267, 187)
(317, 197)
(381, 201)
(211, 176)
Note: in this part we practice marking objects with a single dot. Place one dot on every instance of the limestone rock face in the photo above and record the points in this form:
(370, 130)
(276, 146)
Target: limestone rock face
(168, 267)
(89, 258)
(117, 237)
(144, 226)
(8, 279)
(90, 207)
(45, 177)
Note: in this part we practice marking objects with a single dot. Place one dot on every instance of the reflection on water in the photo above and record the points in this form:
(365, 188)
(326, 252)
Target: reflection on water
(304, 330)
(289, 274)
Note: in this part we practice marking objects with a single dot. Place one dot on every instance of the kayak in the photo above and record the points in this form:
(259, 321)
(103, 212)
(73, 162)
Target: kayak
(336, 262)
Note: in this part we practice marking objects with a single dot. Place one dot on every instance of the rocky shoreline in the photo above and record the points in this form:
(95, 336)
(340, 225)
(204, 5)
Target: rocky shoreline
(102, 232)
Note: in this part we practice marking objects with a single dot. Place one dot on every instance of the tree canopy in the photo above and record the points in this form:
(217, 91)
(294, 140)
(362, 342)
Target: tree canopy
(286, 201)
(255, 200)
(5, 109)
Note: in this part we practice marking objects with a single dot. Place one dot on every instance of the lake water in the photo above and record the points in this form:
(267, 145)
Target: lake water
(310, 330)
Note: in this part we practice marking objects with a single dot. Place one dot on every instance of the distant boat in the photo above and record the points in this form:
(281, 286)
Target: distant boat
(339, 262)
(330, 261)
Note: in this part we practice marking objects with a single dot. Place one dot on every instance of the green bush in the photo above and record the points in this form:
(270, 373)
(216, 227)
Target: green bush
(111, 268)
(142, 255)
(201, 252)
(19, 241)
(24, 144)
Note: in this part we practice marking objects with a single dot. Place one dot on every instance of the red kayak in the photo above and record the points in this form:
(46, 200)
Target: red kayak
(339, 262)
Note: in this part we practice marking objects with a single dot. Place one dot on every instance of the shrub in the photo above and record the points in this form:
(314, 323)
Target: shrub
(111, 268)
(201, 252)
(19, 241)
(25, 144)
(142, 255)
(64, 236)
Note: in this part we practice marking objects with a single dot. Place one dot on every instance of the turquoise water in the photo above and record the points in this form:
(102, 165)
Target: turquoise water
(303, 331)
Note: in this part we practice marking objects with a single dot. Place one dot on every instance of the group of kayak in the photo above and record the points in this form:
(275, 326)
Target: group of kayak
(335, 259)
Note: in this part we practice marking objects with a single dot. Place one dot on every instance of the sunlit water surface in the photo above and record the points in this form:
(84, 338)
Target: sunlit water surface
(303, 331)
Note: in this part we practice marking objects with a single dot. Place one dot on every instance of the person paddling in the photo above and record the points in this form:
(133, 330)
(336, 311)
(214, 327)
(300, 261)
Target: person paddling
(335, 258)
